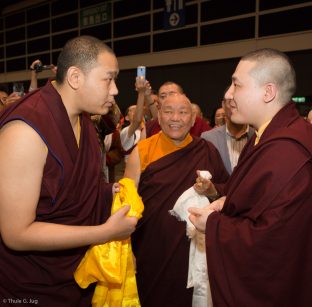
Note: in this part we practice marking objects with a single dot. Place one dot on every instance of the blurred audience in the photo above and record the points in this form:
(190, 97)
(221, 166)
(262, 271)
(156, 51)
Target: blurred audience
(106, 127)
(197, 110)
(218, 117)
(5, 97)
(37, 67)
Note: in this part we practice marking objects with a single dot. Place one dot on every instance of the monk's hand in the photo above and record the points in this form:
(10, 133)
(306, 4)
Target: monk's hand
(202, 184)
(198, 217)
(205, 187)
(120, 225)
(217, 205)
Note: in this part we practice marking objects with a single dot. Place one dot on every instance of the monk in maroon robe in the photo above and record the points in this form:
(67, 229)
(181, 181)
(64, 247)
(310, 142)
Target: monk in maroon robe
(165, 166)
(259, 246)
(54, 202)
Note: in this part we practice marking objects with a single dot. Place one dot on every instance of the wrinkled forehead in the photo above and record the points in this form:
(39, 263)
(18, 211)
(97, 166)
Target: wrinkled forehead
(177, 101)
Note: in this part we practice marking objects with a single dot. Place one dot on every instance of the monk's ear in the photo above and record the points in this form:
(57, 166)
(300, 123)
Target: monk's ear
(270, 92)
(74, 77)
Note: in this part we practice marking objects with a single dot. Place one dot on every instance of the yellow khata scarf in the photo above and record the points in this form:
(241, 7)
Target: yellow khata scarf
(111, 264)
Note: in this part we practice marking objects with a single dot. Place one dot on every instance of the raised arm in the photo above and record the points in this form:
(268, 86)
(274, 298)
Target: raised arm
(33, 76)
(133, 166)
(22, 159)
(140, 85)
(151, 101)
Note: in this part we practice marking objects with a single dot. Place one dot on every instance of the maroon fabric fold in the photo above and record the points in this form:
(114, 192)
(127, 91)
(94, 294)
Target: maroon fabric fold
(72, 193)
(259, 249)
(160, 243)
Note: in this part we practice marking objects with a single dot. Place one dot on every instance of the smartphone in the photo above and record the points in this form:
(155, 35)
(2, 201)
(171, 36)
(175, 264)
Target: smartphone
(141, 71)
(18, 87)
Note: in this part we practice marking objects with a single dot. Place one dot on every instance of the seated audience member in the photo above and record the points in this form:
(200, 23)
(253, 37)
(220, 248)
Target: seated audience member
(229, 139)
(164, 166)
(130, 135)
(258, 238)
(168, 89)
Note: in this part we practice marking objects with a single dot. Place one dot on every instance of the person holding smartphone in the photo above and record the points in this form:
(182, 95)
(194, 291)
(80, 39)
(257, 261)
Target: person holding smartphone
(130, 135)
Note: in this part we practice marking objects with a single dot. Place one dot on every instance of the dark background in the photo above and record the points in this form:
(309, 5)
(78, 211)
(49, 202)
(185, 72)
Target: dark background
(203, 82)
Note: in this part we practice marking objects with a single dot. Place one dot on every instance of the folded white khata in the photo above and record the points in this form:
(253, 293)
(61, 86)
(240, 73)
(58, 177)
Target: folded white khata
(197, 273)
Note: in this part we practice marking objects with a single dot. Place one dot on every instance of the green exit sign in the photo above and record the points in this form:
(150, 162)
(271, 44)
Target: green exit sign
(95, 15)
(301, 99)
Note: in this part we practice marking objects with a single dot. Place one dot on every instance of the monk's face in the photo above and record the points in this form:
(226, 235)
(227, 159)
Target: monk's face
(176, 117)
(246, 96)
(97, 87)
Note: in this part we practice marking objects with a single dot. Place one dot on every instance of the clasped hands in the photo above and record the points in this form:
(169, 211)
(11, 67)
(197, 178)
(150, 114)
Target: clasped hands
(198, 216)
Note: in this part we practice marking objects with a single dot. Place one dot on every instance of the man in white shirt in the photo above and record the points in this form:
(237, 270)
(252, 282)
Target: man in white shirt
(229, 139)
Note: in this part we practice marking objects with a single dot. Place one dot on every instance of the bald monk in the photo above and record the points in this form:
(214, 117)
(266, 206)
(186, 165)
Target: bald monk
(259, 246)
(164, 166)
(167, 89)
(54, 202)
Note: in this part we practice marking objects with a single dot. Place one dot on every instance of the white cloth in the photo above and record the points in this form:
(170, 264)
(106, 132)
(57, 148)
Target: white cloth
(197, 273)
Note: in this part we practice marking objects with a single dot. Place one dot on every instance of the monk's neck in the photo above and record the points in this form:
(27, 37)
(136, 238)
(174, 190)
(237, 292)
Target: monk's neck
(72, 114)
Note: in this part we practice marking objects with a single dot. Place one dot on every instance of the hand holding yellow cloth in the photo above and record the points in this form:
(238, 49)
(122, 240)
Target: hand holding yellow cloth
(111, 264)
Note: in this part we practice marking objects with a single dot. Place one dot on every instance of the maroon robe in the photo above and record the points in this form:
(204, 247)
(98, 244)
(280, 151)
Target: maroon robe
(259, 249)
(200, 126)
(72, 193)
(160, 243)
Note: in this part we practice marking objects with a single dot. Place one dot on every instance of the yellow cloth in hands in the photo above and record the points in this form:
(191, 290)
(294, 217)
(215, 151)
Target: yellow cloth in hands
(111, 264)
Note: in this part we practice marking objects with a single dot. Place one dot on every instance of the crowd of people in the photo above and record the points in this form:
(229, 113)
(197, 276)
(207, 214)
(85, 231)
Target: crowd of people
(58, 183)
